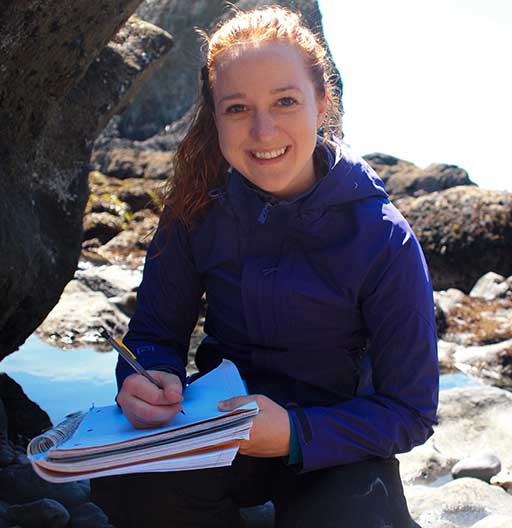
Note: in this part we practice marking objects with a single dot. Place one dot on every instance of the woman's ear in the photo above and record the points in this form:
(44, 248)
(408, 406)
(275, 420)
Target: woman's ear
(322, 109)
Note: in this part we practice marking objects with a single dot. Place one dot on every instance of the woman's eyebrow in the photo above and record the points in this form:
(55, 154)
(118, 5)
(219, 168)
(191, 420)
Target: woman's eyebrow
(240, 95)
(237, 95)
(286, 88)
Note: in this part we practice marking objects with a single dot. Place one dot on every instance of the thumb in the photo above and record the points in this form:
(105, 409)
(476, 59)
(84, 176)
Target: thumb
(233, 403)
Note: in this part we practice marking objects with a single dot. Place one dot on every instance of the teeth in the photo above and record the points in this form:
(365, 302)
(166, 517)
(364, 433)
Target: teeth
(269, 154)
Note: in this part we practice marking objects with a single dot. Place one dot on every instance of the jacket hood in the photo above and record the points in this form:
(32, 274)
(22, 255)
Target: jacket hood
(348, 179)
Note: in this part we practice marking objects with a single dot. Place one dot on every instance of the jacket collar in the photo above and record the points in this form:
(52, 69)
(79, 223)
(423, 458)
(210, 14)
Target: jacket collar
(348, 179)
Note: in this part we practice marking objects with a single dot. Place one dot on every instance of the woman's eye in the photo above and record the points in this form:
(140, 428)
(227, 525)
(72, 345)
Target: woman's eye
(235, 109)
(287, 101)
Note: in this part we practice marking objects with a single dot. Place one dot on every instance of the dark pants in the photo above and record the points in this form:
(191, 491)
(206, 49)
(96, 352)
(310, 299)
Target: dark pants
(366, 494)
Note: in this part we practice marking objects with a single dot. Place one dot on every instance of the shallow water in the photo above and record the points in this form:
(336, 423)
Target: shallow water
(64, 381)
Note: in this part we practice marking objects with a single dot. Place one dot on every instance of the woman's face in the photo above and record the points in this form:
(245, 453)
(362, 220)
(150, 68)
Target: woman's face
(267, 114)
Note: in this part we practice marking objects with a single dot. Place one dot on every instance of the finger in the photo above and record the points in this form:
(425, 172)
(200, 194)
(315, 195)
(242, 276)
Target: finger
(235, 402)
(141, 388)
(142, 414)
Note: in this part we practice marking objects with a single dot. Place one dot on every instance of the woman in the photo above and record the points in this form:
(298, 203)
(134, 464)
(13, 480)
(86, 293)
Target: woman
(316, 288)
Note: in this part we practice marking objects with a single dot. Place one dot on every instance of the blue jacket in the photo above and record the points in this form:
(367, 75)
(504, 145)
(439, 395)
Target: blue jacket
(323, 302)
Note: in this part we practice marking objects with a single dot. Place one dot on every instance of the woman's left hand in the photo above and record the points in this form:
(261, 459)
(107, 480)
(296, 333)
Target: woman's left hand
(270, 432)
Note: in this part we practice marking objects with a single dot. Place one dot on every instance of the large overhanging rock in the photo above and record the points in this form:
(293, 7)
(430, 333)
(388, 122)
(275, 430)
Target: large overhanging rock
(465, 232)
(61, 81)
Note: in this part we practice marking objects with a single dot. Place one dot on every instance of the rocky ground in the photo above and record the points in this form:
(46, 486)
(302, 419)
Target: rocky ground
(462, 476)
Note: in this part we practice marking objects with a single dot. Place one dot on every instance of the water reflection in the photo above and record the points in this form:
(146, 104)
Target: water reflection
(62, 381)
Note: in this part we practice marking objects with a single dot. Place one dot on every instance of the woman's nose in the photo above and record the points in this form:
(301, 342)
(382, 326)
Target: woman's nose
(263, 126)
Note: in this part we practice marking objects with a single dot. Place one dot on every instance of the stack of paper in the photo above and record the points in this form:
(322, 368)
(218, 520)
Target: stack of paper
(102, 441)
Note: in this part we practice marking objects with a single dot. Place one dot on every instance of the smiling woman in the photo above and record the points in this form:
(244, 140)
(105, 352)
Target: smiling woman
(267, 114)
(317, 290)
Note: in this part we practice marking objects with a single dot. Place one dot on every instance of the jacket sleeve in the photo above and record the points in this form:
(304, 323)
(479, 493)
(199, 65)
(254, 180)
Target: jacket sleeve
(168, 303)
(396, 302)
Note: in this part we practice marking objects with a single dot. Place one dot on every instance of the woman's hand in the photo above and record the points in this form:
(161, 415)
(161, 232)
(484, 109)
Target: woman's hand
(147, 406)
(270, 432)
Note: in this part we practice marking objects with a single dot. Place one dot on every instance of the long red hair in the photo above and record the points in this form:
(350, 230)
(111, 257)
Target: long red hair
(198, 164)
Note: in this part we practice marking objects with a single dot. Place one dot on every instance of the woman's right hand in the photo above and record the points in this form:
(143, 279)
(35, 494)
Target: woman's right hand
(147, 406)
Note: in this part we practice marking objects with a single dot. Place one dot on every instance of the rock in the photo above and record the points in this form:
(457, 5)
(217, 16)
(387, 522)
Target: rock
(404, 178)
(259, 516)
(87, 515)
(102, 226)
(61, 82)
(124, 159)
(25, 418)
(20, 485)
(464, 414)
(503, 479)
(77, 316)
(492, 286)
(424, 465)
(440, 318)
(129, 247)
(482, 466)
(445, 353)
(491, 364)
(460, 503)
(7, 452)
(448, 299)
(112, 280)
(42, 513)
(473, 321)
(127, 303)
(465, 231)
(494, 521)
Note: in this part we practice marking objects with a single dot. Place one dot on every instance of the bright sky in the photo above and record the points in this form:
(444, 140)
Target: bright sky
(427, 81)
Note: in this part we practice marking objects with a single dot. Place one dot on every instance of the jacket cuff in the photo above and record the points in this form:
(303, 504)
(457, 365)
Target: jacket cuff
(151, 356)
(295, 455)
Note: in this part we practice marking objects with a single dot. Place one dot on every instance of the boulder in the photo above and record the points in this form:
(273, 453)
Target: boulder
(129, 247)
(87, 515)
(25, 419)
(112, 280)
(457, 504)
(465, 232)
(403, 178)
(491, 364)
(75, 319)
(472, 420)
(465, 413)
(41, 513)
(472, 321)
(494, 521)
(20, 485)
(482, 466)
(103, 226)
(62, 81)
(492, 286)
